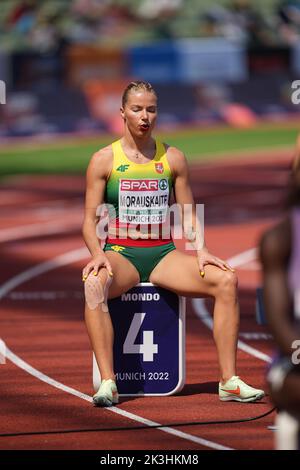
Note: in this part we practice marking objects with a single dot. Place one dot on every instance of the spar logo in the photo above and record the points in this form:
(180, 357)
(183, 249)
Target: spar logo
(139, 185)
(144, 185)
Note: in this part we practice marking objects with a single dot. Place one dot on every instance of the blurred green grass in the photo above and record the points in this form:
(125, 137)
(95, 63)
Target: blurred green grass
(72, 156)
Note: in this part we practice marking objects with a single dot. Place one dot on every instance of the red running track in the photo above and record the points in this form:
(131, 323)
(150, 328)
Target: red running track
(42, 320)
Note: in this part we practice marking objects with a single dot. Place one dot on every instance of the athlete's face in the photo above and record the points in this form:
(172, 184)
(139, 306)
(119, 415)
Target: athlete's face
(140, 112)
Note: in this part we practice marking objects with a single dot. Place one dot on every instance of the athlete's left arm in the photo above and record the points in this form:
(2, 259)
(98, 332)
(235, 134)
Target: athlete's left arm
(192, 226)
(296, 160)
(193, 229)
(275, 251)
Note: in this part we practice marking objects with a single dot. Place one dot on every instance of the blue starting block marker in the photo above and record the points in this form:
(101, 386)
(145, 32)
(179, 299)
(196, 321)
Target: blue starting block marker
(260, 308)
(149, 345)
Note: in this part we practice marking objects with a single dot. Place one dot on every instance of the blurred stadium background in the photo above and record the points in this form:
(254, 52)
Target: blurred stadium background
(223, 71)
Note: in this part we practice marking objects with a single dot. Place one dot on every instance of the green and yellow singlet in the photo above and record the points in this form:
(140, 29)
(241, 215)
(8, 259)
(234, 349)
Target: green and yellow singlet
(139, 194)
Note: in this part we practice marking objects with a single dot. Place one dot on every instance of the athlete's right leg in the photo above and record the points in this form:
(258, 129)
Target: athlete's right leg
(97, 318)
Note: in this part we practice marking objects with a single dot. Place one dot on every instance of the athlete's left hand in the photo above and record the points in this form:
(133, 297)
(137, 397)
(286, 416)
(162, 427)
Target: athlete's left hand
(205, 258)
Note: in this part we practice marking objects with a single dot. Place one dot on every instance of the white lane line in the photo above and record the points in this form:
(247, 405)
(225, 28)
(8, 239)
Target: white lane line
(45, 295)
(250, 267)
(44, 378)
(203, 314)
(243, 258)
(47, 266)
(10, 196)
(2, 352)
(61, 260)
(48, 380)
(258, 336)
(38, 229)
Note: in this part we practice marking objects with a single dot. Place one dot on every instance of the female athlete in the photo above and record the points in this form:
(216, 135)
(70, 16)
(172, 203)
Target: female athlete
(127, 175)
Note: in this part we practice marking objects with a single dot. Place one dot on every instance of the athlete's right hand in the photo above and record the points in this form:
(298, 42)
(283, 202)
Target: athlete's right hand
(95, 264)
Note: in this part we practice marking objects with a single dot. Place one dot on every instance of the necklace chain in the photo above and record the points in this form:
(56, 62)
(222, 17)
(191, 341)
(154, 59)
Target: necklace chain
(138, 155)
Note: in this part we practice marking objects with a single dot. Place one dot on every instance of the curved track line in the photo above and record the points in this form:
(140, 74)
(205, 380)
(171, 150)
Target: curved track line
(45, 378)
(204, 315)
(243, 258)
(38, 229)
(61, 260)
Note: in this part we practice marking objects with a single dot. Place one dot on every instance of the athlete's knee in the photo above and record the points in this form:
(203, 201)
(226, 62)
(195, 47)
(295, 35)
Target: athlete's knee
(96, 290)
(227, 284)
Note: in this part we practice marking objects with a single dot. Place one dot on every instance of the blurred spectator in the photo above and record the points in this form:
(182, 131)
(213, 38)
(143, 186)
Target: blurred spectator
(289, 20)
(250, 20)
(45, 35)
(23, 16)
(126, 21)
(84, 30)
(217, 22)
(156, 8)
(239, 21)
(91, 8)
(25, 7)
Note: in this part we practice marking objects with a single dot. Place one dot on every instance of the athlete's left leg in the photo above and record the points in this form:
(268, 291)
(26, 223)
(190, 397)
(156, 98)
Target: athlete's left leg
(179, 273)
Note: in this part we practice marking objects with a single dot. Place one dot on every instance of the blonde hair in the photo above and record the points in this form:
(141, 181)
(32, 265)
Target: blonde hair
(137, 86)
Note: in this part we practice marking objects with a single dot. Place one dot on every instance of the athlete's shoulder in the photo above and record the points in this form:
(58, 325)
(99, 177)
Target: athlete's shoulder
(174, 151)
(177, 159)
(103, 154)
(101, 161)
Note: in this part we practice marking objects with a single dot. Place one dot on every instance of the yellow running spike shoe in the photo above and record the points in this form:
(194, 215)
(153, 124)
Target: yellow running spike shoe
(237, 390)
(107, 394)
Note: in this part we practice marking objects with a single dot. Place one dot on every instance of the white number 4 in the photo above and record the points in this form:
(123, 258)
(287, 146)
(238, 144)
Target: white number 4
(147, 348)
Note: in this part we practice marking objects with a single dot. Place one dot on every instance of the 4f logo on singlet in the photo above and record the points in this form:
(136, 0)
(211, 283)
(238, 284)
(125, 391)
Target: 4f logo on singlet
(123, 168)
(118, 248)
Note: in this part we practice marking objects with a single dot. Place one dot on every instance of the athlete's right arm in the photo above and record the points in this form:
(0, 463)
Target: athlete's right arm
(96, 178)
